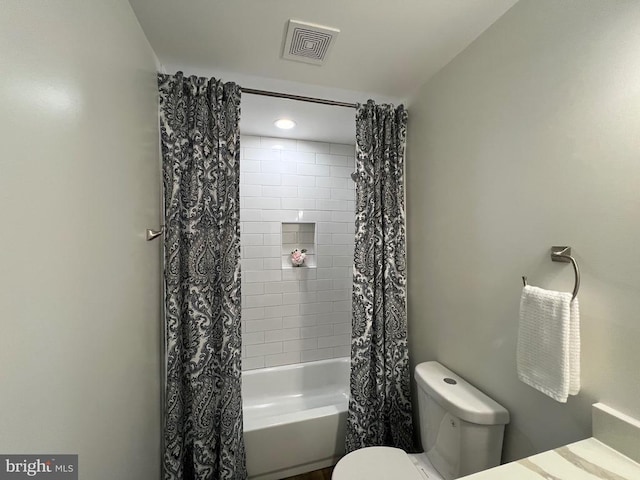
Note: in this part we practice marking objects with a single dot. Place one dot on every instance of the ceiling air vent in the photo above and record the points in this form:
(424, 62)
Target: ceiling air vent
(308, 43)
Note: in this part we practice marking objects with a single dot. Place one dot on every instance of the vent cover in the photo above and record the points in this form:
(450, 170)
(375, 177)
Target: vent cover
(308, 43)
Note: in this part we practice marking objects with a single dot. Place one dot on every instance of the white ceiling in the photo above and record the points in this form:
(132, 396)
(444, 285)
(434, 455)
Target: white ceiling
(386, 50)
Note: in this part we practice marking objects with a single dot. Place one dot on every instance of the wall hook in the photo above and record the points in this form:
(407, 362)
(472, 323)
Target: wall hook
(153, 234)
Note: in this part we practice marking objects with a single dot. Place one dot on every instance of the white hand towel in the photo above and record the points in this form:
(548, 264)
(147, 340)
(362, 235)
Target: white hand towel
(548, 356)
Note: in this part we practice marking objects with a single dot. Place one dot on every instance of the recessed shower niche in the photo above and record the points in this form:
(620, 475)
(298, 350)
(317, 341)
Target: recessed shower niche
(300, 236)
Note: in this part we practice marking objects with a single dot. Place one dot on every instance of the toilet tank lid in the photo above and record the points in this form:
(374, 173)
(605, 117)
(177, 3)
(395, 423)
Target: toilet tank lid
(458, 397)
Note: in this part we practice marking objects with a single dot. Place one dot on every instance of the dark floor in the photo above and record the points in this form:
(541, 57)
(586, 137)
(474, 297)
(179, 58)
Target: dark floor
(324, 474)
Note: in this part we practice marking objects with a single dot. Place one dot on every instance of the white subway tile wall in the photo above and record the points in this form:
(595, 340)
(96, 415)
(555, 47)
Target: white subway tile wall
(293, 315)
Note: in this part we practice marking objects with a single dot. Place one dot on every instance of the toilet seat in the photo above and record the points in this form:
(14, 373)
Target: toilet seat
(377, 463)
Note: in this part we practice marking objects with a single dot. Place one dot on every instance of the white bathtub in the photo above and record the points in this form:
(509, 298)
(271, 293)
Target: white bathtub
(294, 417)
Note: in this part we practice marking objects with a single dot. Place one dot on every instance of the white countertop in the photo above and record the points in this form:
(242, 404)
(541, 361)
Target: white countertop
(596, 457)
(584, 460)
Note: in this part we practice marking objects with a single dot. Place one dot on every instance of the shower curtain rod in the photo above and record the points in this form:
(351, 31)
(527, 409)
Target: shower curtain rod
(322, 101)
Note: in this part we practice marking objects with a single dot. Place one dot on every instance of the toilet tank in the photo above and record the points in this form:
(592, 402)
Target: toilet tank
(460, 427)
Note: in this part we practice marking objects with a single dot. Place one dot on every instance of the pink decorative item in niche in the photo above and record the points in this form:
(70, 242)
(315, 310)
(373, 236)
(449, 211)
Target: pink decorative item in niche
(298, 256)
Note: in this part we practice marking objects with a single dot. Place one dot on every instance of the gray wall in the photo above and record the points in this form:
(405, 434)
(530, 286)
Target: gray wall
(528, 139)
(79, 289)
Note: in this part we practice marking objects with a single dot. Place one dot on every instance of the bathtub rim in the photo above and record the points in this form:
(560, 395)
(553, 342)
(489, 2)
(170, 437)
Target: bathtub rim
(295, 366)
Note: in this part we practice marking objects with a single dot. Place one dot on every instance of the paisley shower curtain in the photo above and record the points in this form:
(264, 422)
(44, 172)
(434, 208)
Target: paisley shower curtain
(200, 156)
(380, 403)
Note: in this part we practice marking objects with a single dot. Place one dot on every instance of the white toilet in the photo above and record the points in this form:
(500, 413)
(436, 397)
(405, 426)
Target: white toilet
(460, 427)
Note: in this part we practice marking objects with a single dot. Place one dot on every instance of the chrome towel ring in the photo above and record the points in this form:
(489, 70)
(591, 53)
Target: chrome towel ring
(563, 254)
